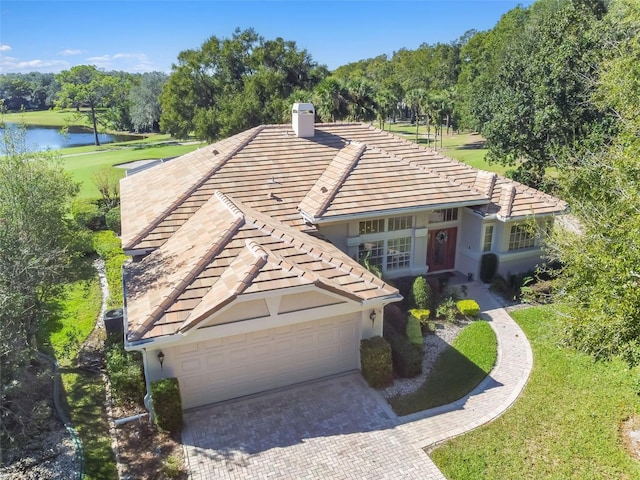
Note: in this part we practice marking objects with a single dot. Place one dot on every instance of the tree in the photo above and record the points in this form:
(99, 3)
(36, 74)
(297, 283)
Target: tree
(36, 244)
(144, 100)
(86, 86)
(599, 288)
(232, 84)
(537, 96)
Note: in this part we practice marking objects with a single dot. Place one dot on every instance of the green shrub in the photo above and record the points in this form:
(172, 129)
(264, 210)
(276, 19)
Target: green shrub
(488, 267)
(172, 467)
(375, 362)
(112, 220)
(421, 314)
(539, 292)
(468, 308)
(407, 361)
(414, 332)
(447, 310)
(422, 293)
(394, 318)
(107, 245)
(167, 405)
(87, 214)
(125, 374)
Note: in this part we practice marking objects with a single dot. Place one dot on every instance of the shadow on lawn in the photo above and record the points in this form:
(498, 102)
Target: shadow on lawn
(452, 378)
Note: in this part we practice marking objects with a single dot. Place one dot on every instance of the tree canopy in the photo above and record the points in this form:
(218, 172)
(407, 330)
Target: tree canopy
(231, 84)
(599, 291)
(37, 239)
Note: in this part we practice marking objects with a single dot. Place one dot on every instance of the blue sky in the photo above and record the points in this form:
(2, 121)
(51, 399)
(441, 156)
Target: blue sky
(139, 36)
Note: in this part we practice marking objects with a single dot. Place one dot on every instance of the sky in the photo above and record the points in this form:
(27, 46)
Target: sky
(148, 35)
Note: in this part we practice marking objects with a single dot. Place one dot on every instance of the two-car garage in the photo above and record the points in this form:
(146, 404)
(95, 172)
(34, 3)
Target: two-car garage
(229, 367)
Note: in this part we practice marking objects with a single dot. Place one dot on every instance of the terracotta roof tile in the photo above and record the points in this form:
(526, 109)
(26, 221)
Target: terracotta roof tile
(258, 255)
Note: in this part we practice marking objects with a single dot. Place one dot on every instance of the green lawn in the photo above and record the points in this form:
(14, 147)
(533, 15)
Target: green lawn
(47, 118)
(566, 424)
(458, 370)
(73, 320)
(85, 165)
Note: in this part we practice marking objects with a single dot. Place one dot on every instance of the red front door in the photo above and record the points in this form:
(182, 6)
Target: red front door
(441, 250)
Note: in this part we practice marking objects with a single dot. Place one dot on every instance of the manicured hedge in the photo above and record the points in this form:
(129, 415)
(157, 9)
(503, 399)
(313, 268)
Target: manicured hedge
(488, 267)
(375, 362)
(407, 361)
(422, 293)
(107, 245)
(167, 404)
(468, 308)
(414, 332)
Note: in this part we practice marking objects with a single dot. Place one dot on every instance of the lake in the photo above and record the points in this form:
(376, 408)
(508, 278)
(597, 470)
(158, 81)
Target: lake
(50, 138)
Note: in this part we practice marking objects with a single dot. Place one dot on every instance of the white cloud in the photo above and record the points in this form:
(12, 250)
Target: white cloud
(70, 51)
(4, 48)
(14, 65)
(128, 62)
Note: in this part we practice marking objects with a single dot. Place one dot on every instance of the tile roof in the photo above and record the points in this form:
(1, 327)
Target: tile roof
(363, 170)
(227, 249)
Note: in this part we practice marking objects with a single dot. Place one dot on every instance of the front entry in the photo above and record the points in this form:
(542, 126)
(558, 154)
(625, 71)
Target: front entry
(441, 250)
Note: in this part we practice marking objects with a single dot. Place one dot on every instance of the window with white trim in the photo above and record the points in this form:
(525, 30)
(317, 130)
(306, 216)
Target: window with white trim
(398, 253)
(443, 215)
(488, 238)
(400, 223)
(521, 237)
(372, 251)
(368, 227)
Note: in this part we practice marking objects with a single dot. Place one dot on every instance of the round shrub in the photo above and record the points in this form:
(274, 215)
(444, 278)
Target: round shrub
(87, 213)
(394, 318)
(422, 293)
(468, 308)
(112, 219)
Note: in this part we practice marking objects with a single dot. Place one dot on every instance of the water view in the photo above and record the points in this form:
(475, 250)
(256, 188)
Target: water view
(50, 138)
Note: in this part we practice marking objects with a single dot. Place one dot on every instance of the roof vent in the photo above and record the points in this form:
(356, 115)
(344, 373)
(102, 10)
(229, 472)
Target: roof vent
(303, 116)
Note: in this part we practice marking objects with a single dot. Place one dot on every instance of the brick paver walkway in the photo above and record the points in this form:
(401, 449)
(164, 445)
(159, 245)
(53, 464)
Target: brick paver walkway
(341, 429)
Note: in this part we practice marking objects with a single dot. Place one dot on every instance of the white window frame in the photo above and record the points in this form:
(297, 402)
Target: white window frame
(390, 262)
(484, 237)
(520, 238)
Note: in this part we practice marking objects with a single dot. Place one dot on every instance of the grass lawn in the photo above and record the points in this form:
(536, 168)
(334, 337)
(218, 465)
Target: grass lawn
(458, 370)
(83, 166)
(86, 398)
(74, 317)
(565, 425)
(47, 118)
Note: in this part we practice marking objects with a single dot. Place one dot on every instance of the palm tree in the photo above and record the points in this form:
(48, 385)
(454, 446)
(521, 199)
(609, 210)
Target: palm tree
(330, 100)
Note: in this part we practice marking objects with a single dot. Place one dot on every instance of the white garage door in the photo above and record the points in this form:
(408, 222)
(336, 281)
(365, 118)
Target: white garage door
(240, 365)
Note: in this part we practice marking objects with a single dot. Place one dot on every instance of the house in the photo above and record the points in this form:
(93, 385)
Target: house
(245, 273)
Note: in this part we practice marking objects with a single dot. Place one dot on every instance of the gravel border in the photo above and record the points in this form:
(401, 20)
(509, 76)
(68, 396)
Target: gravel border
(433, 346)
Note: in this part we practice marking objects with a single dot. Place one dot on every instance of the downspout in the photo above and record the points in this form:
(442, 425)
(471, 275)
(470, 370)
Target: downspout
(147, 397)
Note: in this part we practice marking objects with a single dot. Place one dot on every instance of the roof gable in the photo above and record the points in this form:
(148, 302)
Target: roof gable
(226, 250)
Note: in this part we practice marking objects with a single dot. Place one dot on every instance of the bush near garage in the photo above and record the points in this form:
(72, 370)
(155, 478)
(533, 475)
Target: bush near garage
(375, 362)
(167, 404)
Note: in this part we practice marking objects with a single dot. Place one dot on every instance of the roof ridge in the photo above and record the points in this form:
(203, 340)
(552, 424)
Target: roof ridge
(250, 259)
(324, 190)
(507, 196)
(203, 179)
(198, 265)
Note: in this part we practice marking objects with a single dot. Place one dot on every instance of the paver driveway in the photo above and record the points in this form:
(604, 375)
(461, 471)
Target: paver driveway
(341, 429)
(332, 429)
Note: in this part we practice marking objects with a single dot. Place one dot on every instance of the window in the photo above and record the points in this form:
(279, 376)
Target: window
(521, 238)
(444, 215)
(398, 253)
(372, 251)
(371, 226)
(488, 238)
(400, 223)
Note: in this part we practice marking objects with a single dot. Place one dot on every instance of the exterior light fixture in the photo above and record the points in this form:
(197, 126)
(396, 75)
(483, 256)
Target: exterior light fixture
(372, 317)
(161, 358)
